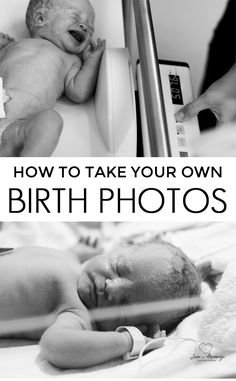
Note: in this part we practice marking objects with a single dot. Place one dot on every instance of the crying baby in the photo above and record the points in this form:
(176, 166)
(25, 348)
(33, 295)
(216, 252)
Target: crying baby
(59, 57)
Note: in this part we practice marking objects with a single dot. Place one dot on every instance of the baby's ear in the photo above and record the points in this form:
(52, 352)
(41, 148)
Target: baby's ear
(40, 17)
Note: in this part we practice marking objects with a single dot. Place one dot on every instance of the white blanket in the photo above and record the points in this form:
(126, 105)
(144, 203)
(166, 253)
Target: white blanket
(218, 325)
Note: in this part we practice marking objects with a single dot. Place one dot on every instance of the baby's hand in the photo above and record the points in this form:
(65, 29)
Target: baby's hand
(94, 50)
(90, 240)
(5, 40)
(87, 248)
(155, 344)
(152, 332)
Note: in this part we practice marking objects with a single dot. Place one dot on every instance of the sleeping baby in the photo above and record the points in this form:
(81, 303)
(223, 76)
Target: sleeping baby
(87, 303)
(60, 57)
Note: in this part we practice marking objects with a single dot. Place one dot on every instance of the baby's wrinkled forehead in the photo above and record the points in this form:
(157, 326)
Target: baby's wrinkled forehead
(83, 6)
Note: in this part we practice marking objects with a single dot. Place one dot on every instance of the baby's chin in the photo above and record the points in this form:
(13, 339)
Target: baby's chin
(72, 46)
(75, 49)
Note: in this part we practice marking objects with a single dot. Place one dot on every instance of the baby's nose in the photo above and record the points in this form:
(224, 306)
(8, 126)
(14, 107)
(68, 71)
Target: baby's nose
(115, 290)
(83, 27)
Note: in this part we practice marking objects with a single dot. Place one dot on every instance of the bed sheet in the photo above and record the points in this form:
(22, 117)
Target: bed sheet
(214, 241)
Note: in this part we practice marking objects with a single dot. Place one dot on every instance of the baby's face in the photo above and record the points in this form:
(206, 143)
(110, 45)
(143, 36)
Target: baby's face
(126, 277)
(70, 25)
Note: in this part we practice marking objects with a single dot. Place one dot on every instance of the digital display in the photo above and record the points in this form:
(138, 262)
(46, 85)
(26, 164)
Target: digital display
(183, 154)
(176, 93)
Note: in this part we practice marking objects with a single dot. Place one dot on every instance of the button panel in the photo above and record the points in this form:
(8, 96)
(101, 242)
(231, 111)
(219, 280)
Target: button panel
(180, 129)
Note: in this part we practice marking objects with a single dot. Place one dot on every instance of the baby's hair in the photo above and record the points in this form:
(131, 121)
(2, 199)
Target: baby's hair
(183, 281)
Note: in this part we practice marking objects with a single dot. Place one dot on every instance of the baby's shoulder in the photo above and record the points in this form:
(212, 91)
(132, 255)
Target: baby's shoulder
(33, 47)
(45, 260)
(72, 60)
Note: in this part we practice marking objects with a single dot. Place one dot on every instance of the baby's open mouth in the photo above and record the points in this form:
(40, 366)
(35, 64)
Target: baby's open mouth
(78, 36)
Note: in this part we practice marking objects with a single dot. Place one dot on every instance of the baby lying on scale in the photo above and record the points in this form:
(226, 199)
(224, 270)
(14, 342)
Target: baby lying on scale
(46, 282)
(60, 57)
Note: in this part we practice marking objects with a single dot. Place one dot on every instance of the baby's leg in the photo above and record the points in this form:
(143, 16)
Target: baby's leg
(5, 40)
(35, 136)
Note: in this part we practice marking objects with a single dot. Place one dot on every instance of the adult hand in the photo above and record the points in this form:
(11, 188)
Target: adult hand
(220, 98)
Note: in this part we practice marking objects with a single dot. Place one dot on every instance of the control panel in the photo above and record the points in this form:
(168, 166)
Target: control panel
(177, 91)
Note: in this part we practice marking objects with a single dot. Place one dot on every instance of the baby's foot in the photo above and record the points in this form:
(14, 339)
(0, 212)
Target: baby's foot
(5, 40)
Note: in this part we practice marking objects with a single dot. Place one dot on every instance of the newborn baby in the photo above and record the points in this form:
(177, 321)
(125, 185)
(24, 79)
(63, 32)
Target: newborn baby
(60, 57)
(39, 282)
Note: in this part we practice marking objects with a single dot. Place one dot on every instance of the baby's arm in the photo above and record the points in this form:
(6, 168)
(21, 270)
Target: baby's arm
(5, 40)
(66, 344)
(81, 80)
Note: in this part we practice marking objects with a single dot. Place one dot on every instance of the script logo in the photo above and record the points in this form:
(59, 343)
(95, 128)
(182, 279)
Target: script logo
(203, 353)
(205, 348)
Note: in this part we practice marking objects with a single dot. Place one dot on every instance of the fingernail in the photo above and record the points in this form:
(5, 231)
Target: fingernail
(179, 116)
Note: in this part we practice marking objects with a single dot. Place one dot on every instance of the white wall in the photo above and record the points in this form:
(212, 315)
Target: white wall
(183, 30)
(109, 21)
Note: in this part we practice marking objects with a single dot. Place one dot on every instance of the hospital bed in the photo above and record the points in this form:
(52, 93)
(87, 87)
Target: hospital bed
(201, 241)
